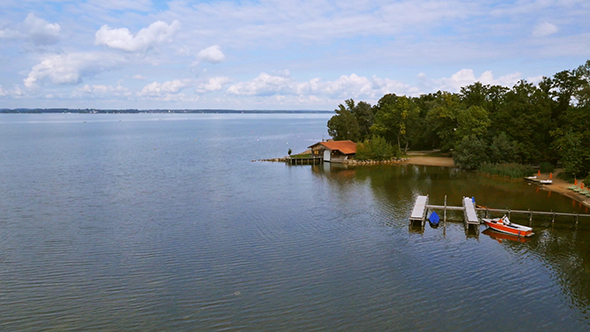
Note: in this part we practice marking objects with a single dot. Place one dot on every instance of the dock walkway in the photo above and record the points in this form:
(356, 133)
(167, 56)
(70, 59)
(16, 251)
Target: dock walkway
(469, 211)
(419, 211)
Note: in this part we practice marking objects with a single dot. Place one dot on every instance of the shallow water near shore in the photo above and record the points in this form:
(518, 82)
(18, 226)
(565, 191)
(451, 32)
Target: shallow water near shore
(162, 222)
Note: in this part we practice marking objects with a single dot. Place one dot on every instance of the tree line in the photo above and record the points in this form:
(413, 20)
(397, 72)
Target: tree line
(548, 122)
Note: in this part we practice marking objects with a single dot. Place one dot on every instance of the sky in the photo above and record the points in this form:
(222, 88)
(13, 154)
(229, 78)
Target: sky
(276, 54)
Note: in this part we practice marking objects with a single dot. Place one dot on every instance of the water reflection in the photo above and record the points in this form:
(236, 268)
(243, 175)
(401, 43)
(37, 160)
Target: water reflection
(504, 237)
(562, 244)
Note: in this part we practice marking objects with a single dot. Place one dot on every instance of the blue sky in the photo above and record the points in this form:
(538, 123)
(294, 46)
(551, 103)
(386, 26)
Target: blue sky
(276, 54)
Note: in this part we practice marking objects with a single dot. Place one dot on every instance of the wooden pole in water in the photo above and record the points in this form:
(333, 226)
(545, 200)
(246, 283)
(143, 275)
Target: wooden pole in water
(530, 218)
(445, 212)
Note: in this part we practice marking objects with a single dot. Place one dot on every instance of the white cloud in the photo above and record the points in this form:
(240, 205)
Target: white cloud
(139, 77)
(101, 91)
(264, 85)
(466, 77)
(10, 34)
(161, 89)
(15, 92)
(211, 54)
(40, 31)
(122, 38)
(213, 84)
(70, 68)
(346, 86)
(544, 29)
(37, 30)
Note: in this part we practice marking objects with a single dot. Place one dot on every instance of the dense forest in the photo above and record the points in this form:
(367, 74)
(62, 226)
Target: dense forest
(546, 123)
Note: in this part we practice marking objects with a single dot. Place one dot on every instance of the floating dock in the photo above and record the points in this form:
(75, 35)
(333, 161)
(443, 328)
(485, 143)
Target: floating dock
(469, 213)
(419, 211)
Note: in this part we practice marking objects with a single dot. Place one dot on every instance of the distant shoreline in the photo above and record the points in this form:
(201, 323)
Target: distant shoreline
(137, 111)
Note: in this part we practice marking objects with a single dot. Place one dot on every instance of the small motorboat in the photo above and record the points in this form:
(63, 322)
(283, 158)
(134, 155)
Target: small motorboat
(505, 226)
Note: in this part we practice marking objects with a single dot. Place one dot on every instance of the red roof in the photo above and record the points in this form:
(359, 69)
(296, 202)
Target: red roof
(346, 147)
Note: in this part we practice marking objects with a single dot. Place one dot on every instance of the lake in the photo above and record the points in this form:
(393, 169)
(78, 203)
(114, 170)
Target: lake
(165, 222)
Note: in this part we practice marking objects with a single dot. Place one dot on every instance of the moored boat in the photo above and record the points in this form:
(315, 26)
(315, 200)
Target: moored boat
(505, 226)
(500, 237)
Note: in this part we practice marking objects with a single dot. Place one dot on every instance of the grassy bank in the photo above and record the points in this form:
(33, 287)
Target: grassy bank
(510, 170)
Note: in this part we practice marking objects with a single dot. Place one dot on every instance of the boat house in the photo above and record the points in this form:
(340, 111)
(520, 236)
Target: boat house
(334, 151)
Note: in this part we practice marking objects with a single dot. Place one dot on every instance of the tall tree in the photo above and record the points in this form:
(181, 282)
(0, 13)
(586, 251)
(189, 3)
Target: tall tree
(394, 115)
(526, 118)
(363, 112)
(442, 118)
(473, 121)
(343, 125)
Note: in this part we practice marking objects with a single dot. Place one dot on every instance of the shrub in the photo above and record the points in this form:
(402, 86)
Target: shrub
(377, 148)
(470, 153)
(502, 150)
(546, 167)
(587, 180)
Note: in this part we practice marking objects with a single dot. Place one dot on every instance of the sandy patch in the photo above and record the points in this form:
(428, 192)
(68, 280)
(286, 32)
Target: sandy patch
(431, 161)
(561, 187)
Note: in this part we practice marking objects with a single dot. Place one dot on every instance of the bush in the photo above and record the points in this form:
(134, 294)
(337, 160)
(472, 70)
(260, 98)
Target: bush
(587, 180)
(470, 153)
(502, 150)
(377, 148)
(510, 170)
(546, 167)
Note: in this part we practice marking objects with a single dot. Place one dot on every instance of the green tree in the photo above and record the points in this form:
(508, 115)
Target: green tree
(344, 125)
(442, 118)
(490, 97)
(470, 153)
(473, 121)
(394, 115)
(502, 150)
(526, 118)
(377, 148)
(572, 153)
(363, 112)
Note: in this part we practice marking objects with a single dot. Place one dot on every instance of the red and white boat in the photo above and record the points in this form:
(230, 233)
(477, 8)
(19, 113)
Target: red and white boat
(505, 226)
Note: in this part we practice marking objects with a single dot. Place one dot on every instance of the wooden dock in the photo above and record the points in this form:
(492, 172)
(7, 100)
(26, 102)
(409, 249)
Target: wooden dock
(419, 211)
(469, 213)
(470, 210)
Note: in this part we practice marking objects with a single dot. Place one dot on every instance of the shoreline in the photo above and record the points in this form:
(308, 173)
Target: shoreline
(558, 186)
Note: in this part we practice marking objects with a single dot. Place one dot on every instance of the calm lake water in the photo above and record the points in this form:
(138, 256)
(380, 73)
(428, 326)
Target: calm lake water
(162, 222)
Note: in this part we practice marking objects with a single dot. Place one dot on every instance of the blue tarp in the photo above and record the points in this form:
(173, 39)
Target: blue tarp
(434, 218)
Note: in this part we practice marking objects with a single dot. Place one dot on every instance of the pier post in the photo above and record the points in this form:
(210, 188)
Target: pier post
(445, 212)
(553, 220)
(508, 213)
(530, 218)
